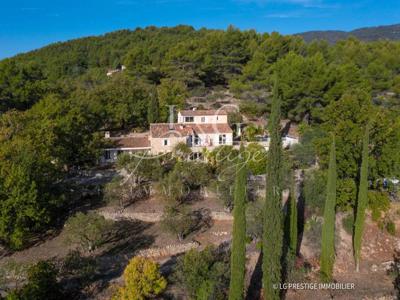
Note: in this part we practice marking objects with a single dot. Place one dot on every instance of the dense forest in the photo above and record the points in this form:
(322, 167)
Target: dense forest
(389, 32)
(54, 102)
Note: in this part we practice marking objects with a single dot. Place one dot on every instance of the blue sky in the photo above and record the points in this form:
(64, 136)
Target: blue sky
(27, 24)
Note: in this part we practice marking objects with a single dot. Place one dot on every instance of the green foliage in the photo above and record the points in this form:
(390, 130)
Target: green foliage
(142, 280)
(221, 160)
(238, 251)
(314, 191)
(304, 153)
(178, 220)
(204, 274)
(185, 177)
(379, 203)
(255, 157)
(64, 98)
(22, 85)
(182, 151)
(42, 284)
(348, 223)
(170, 92)
(273, 226)
(328, 228)
(254, 213)
(89, 231)
(362, 200)
(293, 218)
(391, 227)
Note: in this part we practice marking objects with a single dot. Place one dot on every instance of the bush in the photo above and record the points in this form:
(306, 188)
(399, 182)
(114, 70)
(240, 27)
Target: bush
(89, 231)
(254, 213)
(204, 274)
(142, 279)
(314, 191)
(181, 221)
(378, 203)
(391, 227)
(348, 223)
(42, 284)
(252, 109)
(256, 158)
(178, 221)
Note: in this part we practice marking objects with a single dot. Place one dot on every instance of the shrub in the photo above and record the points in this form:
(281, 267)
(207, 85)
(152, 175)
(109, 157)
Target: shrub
(204, 274)
(42, 284)
(348, 223)
(178, 221)
(391, 227)
(142, 280)
(89, 231)
(378, 203)
(314, 191)
(255, 156)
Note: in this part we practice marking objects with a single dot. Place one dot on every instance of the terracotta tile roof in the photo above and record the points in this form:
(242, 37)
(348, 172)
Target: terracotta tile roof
(203, 112)
(162, 130)
(141, 141)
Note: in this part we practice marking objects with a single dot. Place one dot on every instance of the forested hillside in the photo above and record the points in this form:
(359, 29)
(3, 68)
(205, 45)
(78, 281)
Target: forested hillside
(54, 101)
(390, 32)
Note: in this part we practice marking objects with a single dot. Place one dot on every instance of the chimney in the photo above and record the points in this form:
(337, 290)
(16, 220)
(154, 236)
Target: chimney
(107, 134)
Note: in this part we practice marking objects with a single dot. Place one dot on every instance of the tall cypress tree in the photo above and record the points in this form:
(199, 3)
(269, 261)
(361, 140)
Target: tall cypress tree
(362, 201)
(273, 229)
(152, 108)
(328, 228)
(293, 218)
(238, 254)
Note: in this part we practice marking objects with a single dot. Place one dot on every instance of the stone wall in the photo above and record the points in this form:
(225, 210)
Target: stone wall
(168, 250)
(116, 215)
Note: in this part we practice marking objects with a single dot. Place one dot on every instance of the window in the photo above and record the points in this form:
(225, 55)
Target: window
(196, 156)
(107, 155)
(189, 119)
(165, 142)
(203, 119)
(222, 139)
(217, 118)
(197, 140)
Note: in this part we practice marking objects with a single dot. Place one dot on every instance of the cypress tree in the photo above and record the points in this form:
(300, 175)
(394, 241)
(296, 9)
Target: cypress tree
(272, 227)
(152, 108)
(328, 228)
(293, 218)
(238, 254)
(362, 201)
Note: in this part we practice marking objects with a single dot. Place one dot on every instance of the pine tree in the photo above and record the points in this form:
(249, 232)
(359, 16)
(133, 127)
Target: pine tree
(273, 227)
(238, 255)
(293, 218)
(328, 228)
(362, 201)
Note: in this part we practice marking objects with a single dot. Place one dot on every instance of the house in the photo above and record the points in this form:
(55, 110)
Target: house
(198, 129)
(195, 116)
(135, 142)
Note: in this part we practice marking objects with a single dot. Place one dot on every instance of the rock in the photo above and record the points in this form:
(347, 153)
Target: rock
(374, 268)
